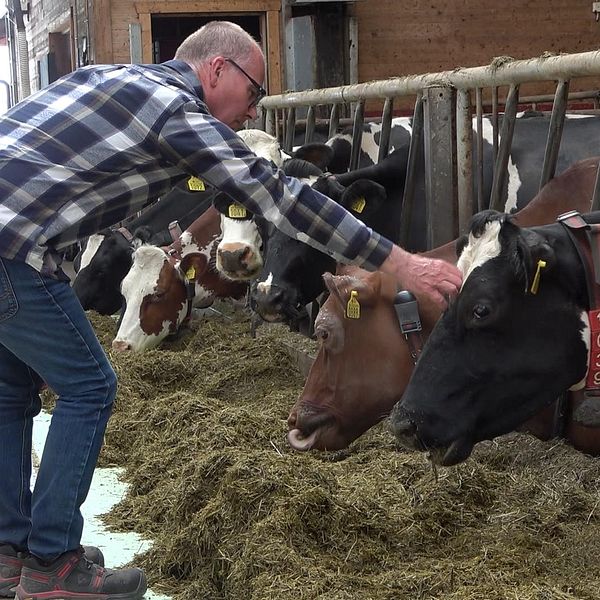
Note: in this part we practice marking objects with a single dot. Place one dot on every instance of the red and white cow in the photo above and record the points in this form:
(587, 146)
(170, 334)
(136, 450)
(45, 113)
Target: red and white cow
(163, 285)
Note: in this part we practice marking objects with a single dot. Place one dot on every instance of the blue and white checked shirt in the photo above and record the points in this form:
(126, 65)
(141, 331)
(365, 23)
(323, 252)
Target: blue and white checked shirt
(95, 146)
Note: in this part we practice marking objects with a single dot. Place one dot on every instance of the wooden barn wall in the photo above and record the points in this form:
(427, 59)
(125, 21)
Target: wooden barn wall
(401, 37)
(45, 16)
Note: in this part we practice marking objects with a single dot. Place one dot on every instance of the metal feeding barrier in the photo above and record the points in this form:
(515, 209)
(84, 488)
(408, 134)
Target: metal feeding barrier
(444, 111)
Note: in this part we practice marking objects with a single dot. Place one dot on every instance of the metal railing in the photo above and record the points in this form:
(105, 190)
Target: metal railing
(444, 109)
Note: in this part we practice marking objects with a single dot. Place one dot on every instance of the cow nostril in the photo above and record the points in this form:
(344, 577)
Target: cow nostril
(121, 346)
(403, 428)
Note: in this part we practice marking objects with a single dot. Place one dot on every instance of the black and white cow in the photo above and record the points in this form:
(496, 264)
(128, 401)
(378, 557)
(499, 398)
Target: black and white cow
(292, 273)
(515, 337)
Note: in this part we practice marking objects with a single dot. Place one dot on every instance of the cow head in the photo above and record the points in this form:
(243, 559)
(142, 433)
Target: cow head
(292, 273)
(503, 350)
(105, 260)
(362, 366)
(155, 301)
(240, 250)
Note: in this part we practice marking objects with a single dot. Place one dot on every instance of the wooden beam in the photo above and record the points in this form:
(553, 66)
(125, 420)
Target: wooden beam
(274, 53)
(207, 6)
(102, 32)
(146, 24)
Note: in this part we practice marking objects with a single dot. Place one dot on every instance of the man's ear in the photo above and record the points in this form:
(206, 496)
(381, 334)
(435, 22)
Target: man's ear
(215, 70)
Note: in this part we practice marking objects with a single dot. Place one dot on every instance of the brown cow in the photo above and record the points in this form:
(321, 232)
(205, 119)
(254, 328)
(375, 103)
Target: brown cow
(363, 365)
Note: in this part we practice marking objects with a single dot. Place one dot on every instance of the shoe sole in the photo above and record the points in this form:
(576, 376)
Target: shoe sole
(63, 595)
(8, 590)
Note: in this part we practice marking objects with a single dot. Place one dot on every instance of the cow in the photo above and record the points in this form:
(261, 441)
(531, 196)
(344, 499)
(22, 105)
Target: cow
(516, 336)
(240, 250)
(291, 276)
(524, 168)
(106, 257)
(363, 366)
(163, 286)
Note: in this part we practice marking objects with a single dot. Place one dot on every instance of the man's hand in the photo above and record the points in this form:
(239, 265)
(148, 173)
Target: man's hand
(435, 278)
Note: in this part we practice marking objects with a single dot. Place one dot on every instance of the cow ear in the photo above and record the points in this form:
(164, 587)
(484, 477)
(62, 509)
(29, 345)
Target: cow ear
(193, 265)
(318, 154)
(363, 198)
(531, 249)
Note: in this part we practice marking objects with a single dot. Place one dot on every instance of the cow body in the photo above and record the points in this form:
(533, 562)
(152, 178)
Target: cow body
(161, 287)
(363, 366)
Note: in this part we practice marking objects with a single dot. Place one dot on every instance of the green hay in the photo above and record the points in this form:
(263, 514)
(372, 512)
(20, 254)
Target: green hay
(199, 427)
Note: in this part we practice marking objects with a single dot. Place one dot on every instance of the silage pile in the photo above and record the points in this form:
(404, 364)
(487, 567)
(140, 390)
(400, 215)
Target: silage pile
(235, 514)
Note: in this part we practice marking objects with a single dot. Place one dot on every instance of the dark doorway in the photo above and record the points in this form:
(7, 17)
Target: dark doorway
(168, 31)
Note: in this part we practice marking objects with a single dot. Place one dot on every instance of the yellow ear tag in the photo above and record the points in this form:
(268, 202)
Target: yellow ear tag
(536, 279)
(190, 273)
(358, 205)
(195, 184)
(236, 211)
(353, 306)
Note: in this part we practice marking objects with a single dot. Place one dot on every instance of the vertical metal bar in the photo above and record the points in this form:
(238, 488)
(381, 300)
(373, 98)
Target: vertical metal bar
(557, 120)
(270, 122)
(414, 152)
(479, 111)
(495, 122)
(278, 133)
(464, 159)
(440, 164)
(357, 130)
(334, 120)
(310, 125)
(386, 128)
(290, 129)
(596, 196)
(501, 165)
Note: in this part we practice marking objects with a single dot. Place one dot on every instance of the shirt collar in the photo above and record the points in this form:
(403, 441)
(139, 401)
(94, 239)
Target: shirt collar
(186, 72)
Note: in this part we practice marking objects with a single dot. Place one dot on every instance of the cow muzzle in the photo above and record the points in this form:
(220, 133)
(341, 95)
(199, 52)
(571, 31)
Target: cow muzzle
(410, 436)
(238, 262)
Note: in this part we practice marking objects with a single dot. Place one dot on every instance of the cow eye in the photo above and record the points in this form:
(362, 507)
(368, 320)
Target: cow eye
(480, 311)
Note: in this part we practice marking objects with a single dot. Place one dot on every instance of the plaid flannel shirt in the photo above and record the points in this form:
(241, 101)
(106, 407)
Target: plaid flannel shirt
(95, 146)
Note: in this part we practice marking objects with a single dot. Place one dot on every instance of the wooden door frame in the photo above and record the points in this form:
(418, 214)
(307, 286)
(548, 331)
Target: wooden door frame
(271, 10)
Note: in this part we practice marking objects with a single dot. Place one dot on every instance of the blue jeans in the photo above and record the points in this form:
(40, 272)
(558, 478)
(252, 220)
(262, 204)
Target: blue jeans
(45, 336)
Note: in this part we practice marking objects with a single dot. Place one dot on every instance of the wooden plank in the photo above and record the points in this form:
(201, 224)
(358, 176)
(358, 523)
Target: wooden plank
(275, 76)
(102, 32)
(206, 6)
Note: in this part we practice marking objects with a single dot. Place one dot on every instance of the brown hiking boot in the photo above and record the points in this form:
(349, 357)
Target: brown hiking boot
(11, 563)
(74, 577)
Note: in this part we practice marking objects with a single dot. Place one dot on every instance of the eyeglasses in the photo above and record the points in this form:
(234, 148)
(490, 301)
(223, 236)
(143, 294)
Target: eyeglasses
(259, 90)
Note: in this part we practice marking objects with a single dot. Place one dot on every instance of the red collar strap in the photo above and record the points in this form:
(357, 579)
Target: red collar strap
(586, 239)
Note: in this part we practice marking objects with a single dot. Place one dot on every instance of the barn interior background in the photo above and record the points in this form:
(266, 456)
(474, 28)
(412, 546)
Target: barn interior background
(308, 44)
(245, 517)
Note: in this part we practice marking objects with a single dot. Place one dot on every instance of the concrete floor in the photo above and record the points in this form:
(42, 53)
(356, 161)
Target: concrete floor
(105, 492)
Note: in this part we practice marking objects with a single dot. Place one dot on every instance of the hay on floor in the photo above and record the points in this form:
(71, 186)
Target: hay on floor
(199, 426)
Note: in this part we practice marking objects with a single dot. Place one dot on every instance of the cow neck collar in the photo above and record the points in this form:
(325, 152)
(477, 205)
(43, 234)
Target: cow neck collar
(407, 312)
(174, 255)
(586, 239)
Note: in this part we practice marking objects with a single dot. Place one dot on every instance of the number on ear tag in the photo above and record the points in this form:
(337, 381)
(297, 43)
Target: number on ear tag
(236, 211)
(195, 184)
(358, 205)
(190, 273)
(353, 306)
